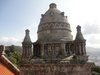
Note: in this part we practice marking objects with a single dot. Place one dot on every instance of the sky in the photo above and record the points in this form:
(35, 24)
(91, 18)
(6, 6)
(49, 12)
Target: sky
(18, 15)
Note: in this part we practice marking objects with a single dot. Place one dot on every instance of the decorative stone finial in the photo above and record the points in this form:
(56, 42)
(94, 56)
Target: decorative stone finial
(79, 35)
(78, 28)
(52, 5)
(27, 37)
(27, 31)
(62, 13)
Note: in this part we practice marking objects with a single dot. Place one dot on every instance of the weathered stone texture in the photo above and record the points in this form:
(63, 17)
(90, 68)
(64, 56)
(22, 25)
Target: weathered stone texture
(57, 69)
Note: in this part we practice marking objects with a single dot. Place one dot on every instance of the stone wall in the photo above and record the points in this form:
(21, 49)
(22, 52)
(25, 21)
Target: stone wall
(56, 69)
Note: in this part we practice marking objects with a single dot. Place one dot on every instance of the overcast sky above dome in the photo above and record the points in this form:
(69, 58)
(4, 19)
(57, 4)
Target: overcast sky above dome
(18, 15)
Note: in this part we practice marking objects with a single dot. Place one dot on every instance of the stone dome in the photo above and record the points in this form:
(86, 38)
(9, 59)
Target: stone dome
(54, 26)
(53, 15)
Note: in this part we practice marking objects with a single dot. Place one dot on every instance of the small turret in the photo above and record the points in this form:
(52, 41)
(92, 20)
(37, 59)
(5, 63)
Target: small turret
(80, 46)
(79, 36)
(27, 46)
(80, 42)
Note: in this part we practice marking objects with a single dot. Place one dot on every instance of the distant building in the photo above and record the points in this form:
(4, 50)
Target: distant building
(6, 67)
(55, 52)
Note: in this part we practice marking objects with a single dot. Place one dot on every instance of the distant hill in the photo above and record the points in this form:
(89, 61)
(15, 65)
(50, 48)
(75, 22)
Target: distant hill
(19, 48)
(94, 55)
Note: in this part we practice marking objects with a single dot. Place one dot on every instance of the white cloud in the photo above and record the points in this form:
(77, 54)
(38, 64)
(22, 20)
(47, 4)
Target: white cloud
(4, 40)
(91, 29)
(93, 40)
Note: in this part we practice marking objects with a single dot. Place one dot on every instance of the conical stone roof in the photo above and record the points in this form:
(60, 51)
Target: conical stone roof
(27, 37)
(53, 15)
(54, 26)
(79, 35)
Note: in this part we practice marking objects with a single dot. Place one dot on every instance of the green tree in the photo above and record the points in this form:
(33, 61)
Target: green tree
(13, 54)
(12, 48)
(95, 70)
